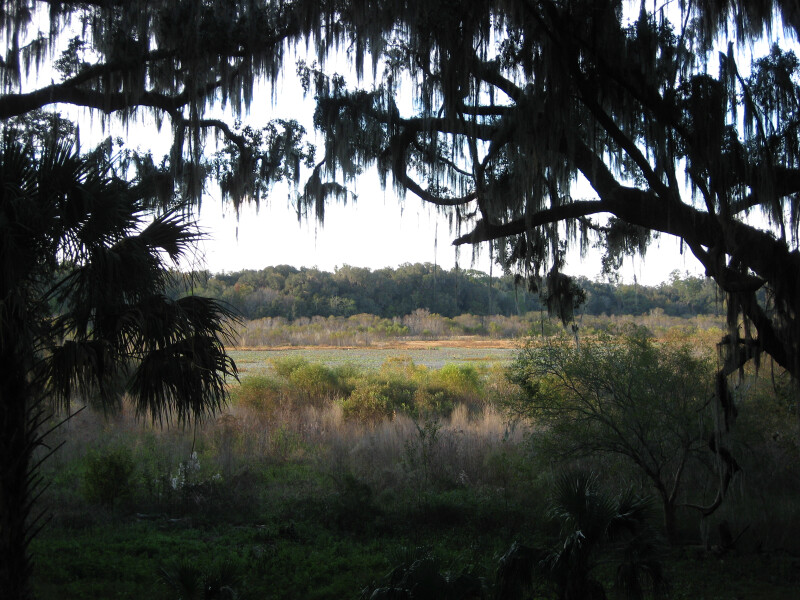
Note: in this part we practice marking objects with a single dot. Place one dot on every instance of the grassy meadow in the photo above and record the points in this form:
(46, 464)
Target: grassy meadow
(361, 473)
(433, 355)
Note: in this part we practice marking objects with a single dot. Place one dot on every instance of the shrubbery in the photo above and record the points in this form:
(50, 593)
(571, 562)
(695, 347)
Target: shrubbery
(365, 329)
(398, 387)
(109, 476)
(261, 393)
(313, 497)
(315, 384)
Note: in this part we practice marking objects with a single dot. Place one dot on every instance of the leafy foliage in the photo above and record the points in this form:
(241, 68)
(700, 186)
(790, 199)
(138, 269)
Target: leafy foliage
(627, 396)
(108, 476)
(547, 126)
(590, 520)
(188, 582)
(313, 506)
(166, 61)
(78, 237)
(420, 577)
(291, 293)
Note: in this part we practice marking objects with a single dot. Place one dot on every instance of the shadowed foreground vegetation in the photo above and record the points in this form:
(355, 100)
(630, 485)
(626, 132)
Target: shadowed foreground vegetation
(332, 481)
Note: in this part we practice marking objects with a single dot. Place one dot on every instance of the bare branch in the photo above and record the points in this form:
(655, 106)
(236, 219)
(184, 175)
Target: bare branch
(484, 231)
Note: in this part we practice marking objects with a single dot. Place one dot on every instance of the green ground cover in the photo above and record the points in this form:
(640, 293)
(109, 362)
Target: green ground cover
(332, 468)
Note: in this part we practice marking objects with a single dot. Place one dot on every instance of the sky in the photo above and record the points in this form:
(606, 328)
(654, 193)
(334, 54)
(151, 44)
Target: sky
(376, 231)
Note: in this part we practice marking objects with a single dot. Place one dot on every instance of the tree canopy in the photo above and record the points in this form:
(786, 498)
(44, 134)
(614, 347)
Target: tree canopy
(534, 121)
(538, 126)
(151, 62)
(291, 293)
(628, 397)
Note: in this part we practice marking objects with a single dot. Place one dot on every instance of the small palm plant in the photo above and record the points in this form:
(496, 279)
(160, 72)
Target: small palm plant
(595, 527)
(187, 581)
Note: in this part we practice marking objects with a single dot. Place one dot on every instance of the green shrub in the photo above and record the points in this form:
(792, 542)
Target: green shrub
(286, 365)
(402, 366)
(108, 478)
(381, 397)
(400, 392)
(462, 380)
(433, 401)
(260, 393)
(347, 376)
(313, 383)
(367, 403)
(448, 386)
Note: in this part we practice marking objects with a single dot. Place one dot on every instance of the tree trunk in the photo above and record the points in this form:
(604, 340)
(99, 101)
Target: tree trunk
(668, 504)
(17, 442)
(670, 523)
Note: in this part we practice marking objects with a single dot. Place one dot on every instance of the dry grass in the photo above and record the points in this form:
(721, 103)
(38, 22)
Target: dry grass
(467, 341)
(390, 456)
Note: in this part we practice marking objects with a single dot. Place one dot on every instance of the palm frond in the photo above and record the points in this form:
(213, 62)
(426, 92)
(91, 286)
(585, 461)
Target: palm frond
(84, 311)
(171, 233)
(186, 379)
(183, 366)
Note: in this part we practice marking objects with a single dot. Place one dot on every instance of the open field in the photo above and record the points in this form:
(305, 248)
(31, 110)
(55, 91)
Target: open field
(431, 354)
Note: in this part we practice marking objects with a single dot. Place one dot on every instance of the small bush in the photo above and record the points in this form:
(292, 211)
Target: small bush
(260, 393)
(400, 392)
(367, 403)
(433, 401)
(375, 399)
(448, 386)
(314, 384)
(287, 365)
(402, 366)
(347, 375)
(108, 478)
(463, 380)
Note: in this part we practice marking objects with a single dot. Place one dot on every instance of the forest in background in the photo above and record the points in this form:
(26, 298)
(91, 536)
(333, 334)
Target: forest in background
(291, 293)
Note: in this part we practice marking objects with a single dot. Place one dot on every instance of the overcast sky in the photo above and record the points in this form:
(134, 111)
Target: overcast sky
(376, 231)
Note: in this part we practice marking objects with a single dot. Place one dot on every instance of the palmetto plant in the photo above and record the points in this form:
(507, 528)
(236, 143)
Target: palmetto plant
(83, 310)
(596, 525)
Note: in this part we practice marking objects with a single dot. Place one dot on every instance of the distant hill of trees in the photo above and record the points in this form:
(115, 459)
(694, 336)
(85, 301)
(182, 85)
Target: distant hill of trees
(292, 293)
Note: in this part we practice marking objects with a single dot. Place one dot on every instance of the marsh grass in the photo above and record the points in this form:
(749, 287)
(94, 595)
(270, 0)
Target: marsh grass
(305, 500)
(285, 457)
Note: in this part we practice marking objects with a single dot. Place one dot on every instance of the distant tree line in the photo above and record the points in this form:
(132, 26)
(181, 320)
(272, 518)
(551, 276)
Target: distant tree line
(292, 293)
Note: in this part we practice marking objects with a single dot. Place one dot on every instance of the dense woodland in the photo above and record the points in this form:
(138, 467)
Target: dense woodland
(292, 293)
